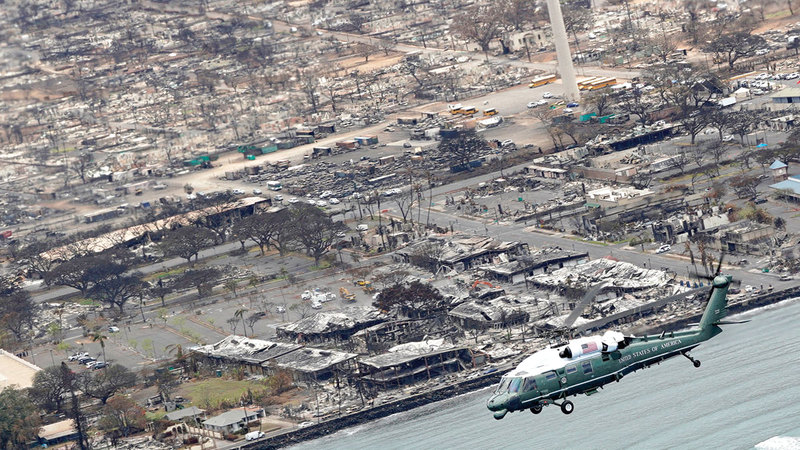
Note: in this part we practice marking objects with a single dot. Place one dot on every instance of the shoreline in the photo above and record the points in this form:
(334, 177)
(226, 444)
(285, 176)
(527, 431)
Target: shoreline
(296, 436)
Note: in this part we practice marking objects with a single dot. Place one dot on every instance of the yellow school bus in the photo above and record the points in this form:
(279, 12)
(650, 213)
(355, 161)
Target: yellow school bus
(489, 112)
(542, 80)
(584, 84)
(468, 110)
(601, 83)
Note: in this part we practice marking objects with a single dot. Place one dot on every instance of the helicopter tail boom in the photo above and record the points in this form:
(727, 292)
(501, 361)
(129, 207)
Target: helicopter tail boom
(717, 304)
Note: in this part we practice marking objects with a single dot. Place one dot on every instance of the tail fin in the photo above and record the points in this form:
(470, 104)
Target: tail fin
(717, 303)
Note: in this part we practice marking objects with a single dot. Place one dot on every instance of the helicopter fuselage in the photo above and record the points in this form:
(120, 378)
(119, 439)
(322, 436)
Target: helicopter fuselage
(583, 365)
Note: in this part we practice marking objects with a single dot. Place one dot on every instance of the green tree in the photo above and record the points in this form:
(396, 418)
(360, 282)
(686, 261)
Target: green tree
(108, 382)
(412, 300)
(201, 279)
(732, 46)
(48, 389)
(314, 230)
(117, 290)
(463, 148)
(186, 242)
(17, 313)
(101, 338)
(122, 417)
(19, 419)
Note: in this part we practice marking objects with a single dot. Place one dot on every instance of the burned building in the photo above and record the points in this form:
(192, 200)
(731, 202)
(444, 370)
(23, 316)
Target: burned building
(540, 261)
(458, 253)
(334, 326)
(415, 361)
(380, 337)
(500, 312)
(312, 364)
(261, 357)
(249, 354)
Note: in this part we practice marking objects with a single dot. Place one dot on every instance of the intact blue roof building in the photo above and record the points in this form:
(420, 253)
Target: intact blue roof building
(789, 187)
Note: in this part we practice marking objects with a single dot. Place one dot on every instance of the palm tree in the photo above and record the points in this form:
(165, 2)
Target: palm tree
(239, 314)
(177, 349)
(97, 336)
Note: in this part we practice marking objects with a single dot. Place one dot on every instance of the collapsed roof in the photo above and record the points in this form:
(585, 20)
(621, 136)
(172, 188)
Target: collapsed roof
(617, 274)
(325, 322)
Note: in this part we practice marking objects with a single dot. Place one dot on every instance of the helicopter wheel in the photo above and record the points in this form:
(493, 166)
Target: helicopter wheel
(696, 363)
(567, 407)
(536, 409)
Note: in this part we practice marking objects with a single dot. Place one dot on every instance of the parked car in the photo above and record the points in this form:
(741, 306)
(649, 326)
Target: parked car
(113, 329)
(547, 95)
(257, 191)
(293, 200)
(533, 104)
(316, 305)
(664, 248)
(77, 356)
(280, 309)
(99, 365)
(253, 435)
(362, 227)
(759, 200)
(306, 295)
(238, 192)
(572, 105)
(786, 278)
(333, 201)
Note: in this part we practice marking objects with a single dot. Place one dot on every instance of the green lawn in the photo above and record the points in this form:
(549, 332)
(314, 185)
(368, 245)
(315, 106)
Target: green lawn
(210, 393)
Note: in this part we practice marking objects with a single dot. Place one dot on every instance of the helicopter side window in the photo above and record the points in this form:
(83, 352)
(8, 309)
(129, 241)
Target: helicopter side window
(515, 384)
(572, 369)
(587, 367)
(529, 385)
(550, 376)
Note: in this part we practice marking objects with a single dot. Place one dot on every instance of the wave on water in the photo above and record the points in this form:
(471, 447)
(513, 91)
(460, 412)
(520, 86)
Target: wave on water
(769, 307)
(779, 443)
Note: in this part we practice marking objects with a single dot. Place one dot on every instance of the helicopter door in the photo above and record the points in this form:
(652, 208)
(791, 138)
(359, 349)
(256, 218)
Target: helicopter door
(562, 377)
(550, 383)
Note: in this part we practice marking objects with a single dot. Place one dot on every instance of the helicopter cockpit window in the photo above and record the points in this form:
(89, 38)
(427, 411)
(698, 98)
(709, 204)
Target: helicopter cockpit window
(503, 387)
(515, 385)
(529, 384)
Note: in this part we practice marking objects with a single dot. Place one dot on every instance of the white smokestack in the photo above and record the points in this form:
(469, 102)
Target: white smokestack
(562, 51)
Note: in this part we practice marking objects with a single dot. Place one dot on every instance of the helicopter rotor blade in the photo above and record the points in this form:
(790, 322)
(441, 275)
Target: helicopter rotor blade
(581, 306)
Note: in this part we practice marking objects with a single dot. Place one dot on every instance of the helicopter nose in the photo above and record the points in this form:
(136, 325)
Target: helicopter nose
(496, 403)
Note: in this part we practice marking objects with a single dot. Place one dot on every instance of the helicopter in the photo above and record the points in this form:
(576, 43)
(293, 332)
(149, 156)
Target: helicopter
(586, 364)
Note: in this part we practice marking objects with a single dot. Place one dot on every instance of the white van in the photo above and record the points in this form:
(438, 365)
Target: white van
(253, 435)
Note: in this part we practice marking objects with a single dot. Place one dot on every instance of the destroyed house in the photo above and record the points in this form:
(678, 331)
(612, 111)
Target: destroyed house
(249, 354)
(500, 312)
(309, 364)
(463, 253)
(378, 337)
(334, 326)
(544, 261)
(415, 361)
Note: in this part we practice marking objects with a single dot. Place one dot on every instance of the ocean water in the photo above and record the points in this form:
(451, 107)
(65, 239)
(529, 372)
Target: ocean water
(745, 395)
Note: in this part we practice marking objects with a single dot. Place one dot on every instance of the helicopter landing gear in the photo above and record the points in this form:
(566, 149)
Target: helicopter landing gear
(696, 362)
(567, 407)
(536, 409)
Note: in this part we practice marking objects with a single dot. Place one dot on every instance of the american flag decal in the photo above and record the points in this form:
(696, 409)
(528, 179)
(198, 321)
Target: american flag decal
(590, 347)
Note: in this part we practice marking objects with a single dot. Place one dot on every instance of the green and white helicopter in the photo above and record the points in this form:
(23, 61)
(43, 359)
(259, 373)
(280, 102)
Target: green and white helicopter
(583, 365)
